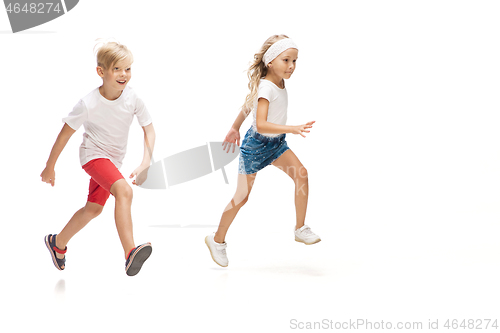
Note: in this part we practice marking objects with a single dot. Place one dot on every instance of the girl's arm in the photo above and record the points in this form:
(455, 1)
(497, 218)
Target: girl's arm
(233, 136)
(48, 174)
(240, 119)
(141, 172)
(263, 126)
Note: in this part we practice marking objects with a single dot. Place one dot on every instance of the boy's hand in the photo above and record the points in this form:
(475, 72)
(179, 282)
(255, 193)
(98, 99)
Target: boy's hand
(232, 138)
(48, 176)
(140, 174)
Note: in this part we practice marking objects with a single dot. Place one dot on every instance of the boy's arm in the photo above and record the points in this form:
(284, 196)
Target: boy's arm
(149, 144)
(141, 172)
(48, 174)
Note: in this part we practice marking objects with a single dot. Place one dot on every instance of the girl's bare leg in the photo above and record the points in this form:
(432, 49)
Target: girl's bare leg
(245, 184)
(290, 164)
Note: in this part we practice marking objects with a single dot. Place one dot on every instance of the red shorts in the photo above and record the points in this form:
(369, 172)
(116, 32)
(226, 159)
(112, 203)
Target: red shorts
(104, 174)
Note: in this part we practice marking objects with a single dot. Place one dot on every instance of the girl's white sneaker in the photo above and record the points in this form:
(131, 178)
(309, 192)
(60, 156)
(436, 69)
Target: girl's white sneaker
(306, 236)
(217, 250)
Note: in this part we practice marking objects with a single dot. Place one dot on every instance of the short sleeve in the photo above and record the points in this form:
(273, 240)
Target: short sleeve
(143, 116)
(78, 116)
(266, 92)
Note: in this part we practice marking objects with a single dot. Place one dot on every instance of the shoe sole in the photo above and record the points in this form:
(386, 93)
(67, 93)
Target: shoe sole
(138, 259)
(52, 253)
(301, 241)
(206, 242)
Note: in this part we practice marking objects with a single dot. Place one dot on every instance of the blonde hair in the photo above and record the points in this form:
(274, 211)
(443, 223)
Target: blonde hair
(110, 52)
(257, 71)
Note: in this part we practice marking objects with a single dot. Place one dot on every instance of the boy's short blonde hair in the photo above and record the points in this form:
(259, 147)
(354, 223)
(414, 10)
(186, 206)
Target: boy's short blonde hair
(110, 53)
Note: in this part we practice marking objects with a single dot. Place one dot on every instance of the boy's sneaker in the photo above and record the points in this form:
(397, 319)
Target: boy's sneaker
(136, 258)
(217, 250)
(306, 236)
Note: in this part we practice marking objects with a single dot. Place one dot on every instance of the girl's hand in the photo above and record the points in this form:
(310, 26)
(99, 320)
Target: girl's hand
(48, 176)
(232, 138)
(140, 174)
(300, 129)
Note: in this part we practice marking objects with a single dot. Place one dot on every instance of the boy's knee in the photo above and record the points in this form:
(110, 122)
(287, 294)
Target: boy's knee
(126, 193)
(122, 190)
(93, 210)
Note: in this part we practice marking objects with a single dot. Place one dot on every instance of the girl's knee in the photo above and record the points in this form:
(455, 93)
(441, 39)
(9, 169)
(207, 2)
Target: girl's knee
(300, 175)
(240, 199)
(303, 173)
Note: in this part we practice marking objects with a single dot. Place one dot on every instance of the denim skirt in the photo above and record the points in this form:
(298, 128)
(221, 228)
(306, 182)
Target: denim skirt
(258, 151)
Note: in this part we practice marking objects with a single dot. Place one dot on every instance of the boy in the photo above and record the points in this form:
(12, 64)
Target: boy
(106, 114)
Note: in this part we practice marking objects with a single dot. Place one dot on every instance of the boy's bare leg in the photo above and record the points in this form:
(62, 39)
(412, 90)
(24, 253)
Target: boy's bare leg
(123, 194)
(76, 223)
(245, 184)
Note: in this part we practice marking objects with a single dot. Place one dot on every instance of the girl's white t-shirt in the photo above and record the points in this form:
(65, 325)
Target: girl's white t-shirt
(278, 104)
(106, 124)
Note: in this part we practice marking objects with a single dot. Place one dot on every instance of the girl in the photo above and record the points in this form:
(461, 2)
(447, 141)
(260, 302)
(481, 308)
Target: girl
(264, 143)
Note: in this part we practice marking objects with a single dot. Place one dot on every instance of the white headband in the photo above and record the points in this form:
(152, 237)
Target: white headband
(277, 48)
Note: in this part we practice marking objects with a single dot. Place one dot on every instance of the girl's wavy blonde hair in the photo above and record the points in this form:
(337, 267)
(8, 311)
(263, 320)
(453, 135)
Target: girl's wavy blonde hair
(257, 71)
(110, 52)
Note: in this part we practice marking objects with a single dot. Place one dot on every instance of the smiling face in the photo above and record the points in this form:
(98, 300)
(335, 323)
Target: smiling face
(115, 78)
(283, 66)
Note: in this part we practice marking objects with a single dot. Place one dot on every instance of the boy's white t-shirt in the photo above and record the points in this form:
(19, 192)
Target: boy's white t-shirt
(106, 124)
(278, 104)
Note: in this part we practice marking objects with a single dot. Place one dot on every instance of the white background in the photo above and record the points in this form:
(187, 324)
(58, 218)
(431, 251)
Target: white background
(404, 165)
